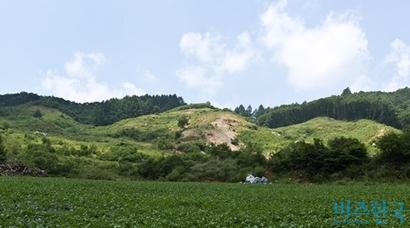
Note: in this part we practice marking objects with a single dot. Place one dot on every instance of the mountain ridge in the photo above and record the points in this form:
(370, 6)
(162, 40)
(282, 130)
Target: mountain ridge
(390, 108)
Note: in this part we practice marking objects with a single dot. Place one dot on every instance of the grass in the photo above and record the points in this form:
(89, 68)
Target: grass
(324, 128)
(51, 202)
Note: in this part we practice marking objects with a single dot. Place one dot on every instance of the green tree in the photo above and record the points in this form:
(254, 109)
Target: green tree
(183, 121)
(248, 111)
(346, 92)
(156, 109)
(395, 148)
(37, 114)
(240, 110)
(258, 112)
(345, 152)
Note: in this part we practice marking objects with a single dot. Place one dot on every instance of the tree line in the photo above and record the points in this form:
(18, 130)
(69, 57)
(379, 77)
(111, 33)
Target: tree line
(96, 113)
(390, 108)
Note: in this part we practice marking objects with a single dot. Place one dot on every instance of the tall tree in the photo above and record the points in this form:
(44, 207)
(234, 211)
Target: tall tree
(346, 92)
(240, 110)
(395, 148)
(258, 112)
(248, 111)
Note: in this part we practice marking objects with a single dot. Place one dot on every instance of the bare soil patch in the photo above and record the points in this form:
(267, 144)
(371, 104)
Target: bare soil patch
(20, 170)
(221, 130)
(379, 134)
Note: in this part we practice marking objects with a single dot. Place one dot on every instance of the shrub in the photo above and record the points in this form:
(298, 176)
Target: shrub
(189, 148)
(4, 125)
(183, 121)
(37, 114)
(174, 175)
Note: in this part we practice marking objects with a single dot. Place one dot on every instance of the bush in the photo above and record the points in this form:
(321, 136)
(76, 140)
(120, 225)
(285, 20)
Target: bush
(318, 162)
(40, 157)
(141, 136)
(165, 144)
(189, 148)
(174, 175)
(395, 148)
(128, 169)
(37, 114)
(183, 121)
(4, 125)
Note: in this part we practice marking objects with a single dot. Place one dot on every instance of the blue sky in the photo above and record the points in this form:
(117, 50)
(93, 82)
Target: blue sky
(226, 52)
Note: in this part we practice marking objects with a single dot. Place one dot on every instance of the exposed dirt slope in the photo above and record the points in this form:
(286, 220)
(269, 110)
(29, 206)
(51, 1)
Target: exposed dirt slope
(223, 132)
(217, 128)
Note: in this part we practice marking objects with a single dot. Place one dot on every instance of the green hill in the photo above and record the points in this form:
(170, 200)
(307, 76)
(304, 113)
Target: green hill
(390, 108)
(159, 133)
(195, 142)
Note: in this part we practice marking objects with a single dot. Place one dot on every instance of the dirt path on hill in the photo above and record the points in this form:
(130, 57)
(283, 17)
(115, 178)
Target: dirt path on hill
(379, 134)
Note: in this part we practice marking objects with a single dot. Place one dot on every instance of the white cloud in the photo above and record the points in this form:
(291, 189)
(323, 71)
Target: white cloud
(318, 57)
(194, 78)
(78, 67)
(81, 84)
(145, 74)
(129, 88)
(204, 47)
(400, 56)
(214, 57)
(238, 59)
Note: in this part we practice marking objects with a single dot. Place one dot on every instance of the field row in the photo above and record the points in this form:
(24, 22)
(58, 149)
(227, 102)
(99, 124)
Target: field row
(52, 202)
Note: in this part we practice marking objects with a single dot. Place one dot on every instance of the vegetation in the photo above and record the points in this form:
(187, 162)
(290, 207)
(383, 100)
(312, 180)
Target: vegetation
(390, 108)
(37, 114)
(183, 121)
(198, 142)
(95, 113)
(51, 202)
(344, 157)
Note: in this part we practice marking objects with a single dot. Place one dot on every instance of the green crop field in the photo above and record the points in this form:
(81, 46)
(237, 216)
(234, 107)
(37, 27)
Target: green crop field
(59, 202)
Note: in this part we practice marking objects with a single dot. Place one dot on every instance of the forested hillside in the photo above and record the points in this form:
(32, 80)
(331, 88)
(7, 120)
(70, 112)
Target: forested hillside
(95, 113)
(199, 142)
(390, 108)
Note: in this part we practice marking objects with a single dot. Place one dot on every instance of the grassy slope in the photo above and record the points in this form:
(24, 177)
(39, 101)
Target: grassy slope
(324, 128)
(204, 125)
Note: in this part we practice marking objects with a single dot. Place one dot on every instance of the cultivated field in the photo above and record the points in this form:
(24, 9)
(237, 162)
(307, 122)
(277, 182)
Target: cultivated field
(59, 202)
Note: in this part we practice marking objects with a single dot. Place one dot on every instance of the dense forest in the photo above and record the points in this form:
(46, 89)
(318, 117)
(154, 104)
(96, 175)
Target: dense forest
(390, 108)
(95, 113)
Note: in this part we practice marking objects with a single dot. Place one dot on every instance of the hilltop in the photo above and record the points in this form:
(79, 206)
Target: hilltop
(390, 108)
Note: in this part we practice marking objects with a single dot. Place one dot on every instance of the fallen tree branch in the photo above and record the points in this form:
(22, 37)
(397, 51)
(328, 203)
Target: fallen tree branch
(20, 170)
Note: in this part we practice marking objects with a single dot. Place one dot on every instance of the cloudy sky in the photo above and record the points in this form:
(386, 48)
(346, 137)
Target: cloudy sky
(226, 52)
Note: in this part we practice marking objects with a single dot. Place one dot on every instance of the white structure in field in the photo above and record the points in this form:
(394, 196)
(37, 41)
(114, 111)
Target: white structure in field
(252, 179)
